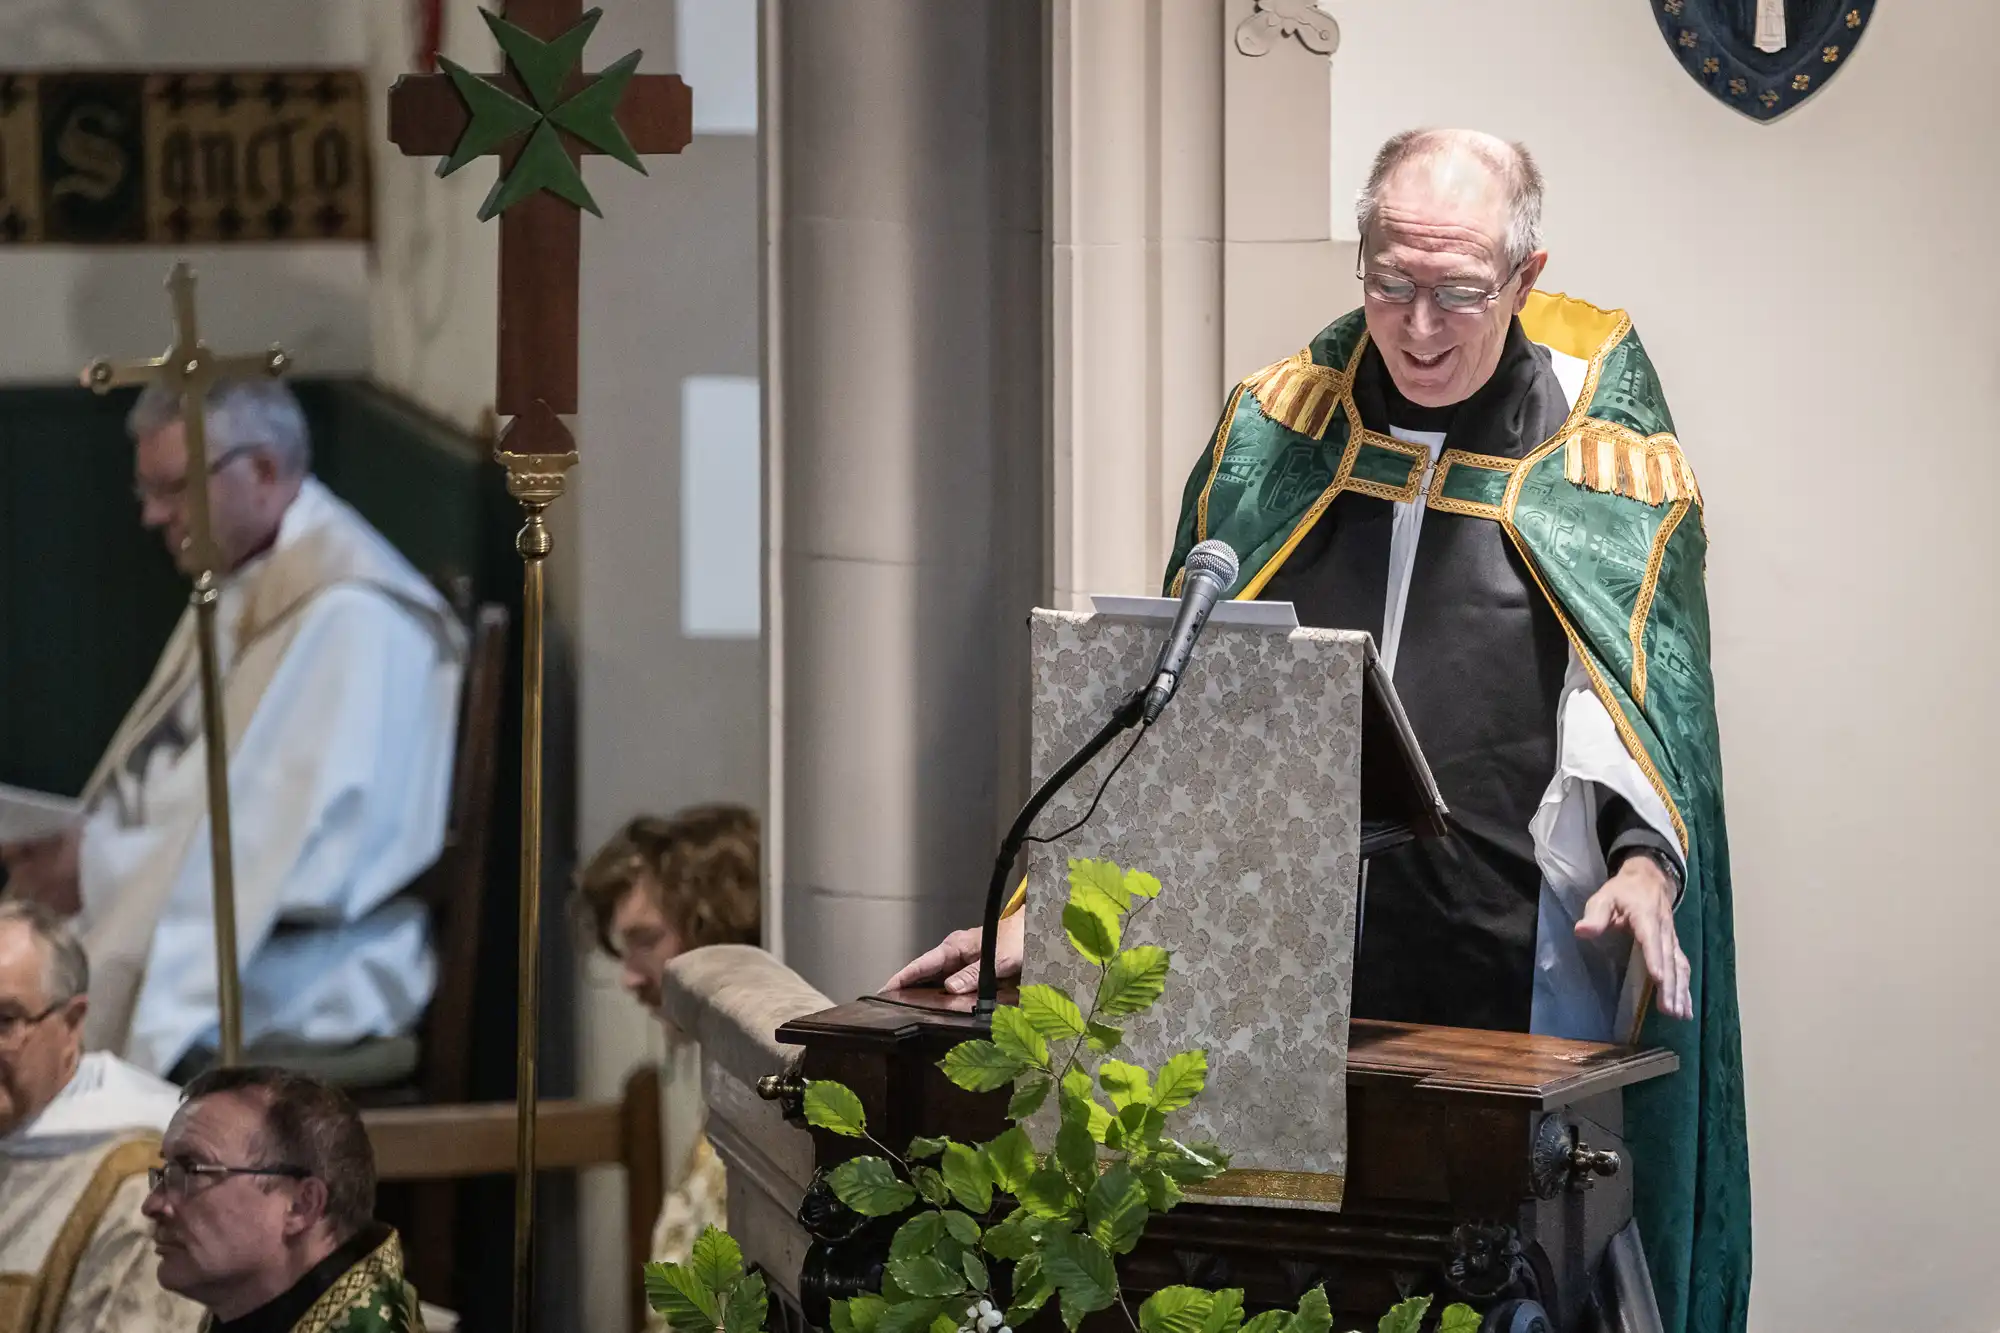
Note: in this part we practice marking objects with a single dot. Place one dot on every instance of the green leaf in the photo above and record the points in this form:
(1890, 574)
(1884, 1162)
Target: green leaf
(716, 1259)
(1078, 1104)
(1162, 1193)
(1314, 1316)
(1226, 1315)
(980, 1066)
(944, 1323)
(869, 1187)
(1093, 929)
(1048, 1194)
(857, 1315)
(1082, 1272)
(1104, 1038)
(834, 1106)
(1032, 1290)
(1076, 1153)
(1459, 1319)
(1135, 979)
(1008, 1240)
(1089, 1113)
(1181, 1080)
(1141, 1125)
(976, 1276)
(1099, 879)
(922, 1148)
(1029, 1094)
(907, 1317)
(676, 1292)
(747, 1306)
(962, 1228)
(1011, 1158)
(1141, 885)
(923, 1275)
(1125, 1083)
(930, 1184)
(919, 1235)
(1016, 1035)
(1115, 1209)
(968, 1177)
(1175, 1310)
(1271, 1321)
(1052, 1012)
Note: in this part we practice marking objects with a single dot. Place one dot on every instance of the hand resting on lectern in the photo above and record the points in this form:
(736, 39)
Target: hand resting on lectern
(958, 956)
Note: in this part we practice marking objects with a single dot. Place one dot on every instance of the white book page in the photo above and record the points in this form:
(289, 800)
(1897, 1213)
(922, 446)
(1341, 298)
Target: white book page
(1258, 615)
(27, 815)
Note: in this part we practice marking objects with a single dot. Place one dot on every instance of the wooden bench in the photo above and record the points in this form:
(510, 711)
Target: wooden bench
(439, 1143)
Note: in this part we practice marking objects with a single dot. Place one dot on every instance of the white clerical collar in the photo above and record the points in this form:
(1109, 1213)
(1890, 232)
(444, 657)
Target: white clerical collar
(104, 1098)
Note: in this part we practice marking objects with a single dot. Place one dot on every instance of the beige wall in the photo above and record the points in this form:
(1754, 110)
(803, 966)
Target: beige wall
(1820, 298)
(66, 306)
(434, 297)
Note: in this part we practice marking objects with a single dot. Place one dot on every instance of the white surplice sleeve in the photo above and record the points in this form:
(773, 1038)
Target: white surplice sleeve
(1582, 989)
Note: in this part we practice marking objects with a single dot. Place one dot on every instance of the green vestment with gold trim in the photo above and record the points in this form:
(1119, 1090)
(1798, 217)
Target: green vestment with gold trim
(372, 1296)
(1607, 516)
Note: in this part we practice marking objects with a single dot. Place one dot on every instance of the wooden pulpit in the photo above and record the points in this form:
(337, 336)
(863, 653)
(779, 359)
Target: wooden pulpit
(1483, 1167)
(1379, 1161)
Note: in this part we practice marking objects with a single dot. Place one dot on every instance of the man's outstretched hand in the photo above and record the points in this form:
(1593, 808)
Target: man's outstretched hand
(1640, 899)
(957, 959)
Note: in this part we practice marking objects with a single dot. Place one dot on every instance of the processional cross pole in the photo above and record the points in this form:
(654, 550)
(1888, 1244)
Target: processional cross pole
(189, 369)
(539, 118)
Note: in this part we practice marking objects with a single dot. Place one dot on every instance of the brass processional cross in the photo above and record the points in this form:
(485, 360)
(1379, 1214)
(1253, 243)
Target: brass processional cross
(190, 370)
(539, 118)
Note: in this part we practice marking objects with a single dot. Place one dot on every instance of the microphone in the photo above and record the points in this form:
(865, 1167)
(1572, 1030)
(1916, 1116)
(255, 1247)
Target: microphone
(1210, 570)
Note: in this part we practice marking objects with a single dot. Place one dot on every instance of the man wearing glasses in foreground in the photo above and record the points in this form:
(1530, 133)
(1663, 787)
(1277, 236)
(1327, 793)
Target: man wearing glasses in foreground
(1486, 478)
(264, 1210)
(77, 1133)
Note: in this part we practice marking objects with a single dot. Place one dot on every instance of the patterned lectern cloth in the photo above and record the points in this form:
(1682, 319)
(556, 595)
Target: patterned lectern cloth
(1244, 799)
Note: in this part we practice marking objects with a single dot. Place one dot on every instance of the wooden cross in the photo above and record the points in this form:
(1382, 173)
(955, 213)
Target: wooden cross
(190, 370)
(449, 116)
(540, 118)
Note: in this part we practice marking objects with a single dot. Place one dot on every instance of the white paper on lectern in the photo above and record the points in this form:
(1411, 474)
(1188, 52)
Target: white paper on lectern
(26, 815)
(1244, 615)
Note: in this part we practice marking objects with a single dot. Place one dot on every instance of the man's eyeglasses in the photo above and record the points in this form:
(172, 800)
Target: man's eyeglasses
(14, 1026)
(1452, 298)
(168, 492)
(173, 1177)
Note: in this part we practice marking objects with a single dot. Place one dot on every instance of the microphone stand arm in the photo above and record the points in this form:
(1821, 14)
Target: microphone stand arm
(1128, 715)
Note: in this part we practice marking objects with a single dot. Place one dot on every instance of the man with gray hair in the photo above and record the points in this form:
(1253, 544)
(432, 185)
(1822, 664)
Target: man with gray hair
(341, 669)
(1486, 478)
(77, 1134)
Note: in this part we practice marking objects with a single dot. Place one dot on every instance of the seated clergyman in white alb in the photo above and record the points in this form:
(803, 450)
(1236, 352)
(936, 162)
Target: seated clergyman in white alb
(77, 1134)
(341, 669)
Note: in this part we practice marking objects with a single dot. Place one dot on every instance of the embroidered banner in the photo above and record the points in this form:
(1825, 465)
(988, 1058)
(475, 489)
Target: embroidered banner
(120, 157)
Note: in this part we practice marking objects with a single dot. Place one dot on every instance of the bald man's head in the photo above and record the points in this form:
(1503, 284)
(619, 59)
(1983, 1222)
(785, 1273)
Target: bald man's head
(1463, 164)
(1450, 224)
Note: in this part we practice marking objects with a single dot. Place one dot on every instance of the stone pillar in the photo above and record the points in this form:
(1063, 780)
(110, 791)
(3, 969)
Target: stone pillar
(904, 216)
(1191, 240)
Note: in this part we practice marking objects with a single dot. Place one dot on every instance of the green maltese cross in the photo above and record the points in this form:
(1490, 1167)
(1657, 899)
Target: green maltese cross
(590, 113)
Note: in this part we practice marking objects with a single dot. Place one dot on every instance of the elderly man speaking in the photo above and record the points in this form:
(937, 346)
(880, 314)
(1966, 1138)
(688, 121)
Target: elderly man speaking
(1487, 479)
